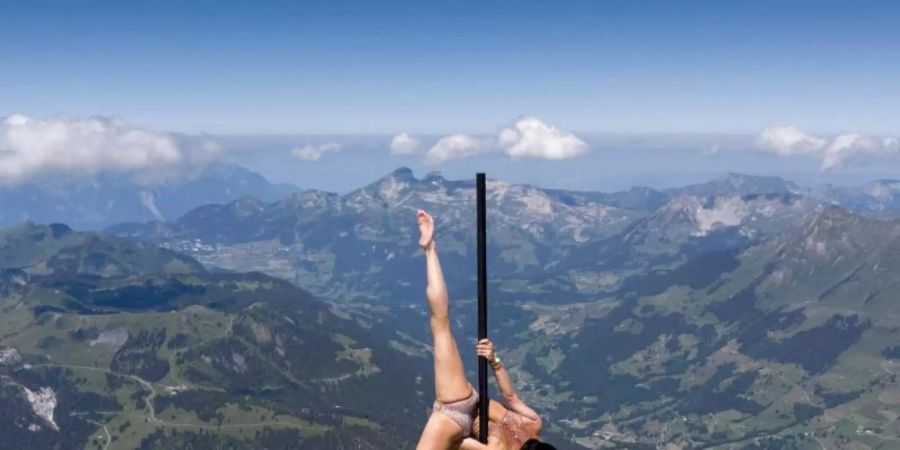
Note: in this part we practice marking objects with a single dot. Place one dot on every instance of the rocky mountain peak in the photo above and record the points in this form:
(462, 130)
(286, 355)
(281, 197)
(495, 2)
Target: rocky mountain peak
(388, 188)
(402, 173)
(434, 177)
(740, 184)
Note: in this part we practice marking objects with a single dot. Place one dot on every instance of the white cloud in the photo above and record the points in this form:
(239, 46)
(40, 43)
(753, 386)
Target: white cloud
(404, 144)
(197, 153)
(453, 147)
(316, 152)
(787, 140)
(531, 138)
(33, 146)
(528, 137)
(843, 150)
(853, 148)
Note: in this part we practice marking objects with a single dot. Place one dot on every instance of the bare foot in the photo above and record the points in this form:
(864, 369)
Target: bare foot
(426, 227)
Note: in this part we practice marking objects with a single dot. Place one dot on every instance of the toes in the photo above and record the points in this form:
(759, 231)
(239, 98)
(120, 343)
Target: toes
(423, 218)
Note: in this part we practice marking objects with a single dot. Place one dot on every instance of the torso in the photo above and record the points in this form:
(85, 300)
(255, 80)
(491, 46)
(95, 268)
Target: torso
(512, 429)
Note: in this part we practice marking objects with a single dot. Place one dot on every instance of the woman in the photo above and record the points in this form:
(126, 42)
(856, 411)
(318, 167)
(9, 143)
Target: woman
(450, 426)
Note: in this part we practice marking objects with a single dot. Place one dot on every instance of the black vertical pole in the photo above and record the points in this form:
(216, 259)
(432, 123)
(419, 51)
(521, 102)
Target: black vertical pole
(482, 305)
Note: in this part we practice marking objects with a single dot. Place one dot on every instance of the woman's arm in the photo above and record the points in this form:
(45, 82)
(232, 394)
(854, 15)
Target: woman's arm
(485, 348)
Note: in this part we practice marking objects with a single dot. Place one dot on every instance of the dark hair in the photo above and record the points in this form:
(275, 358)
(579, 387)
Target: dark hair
(534, 444)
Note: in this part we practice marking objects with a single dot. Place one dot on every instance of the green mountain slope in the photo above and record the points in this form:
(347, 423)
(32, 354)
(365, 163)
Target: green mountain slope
(56, 249)
(794, 342)
(158, 358)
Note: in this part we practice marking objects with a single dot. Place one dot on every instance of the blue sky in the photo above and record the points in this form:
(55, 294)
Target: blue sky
(687, 77)
(440, 67)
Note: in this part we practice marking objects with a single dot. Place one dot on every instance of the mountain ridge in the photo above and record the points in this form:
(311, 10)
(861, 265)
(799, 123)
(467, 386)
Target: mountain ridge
(107, 198)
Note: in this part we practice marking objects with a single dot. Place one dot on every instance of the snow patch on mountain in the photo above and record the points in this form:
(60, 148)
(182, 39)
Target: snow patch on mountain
(9, 356)
(727, 212)
(496, 189)
(116, 337)
(537, 203)
(149, 201)
(43, 403)
(700, 216)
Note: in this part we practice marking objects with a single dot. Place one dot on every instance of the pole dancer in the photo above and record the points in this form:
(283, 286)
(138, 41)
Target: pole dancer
(511, 425)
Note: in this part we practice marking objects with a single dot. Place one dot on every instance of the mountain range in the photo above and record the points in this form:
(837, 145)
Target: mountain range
(361, 244)
(561, 260)
(746, 312)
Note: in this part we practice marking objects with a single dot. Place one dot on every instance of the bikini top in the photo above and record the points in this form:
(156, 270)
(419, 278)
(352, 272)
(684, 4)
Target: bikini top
(512, 429)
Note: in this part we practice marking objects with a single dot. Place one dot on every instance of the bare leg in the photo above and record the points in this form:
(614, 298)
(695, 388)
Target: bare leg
(450, 382)
(440, 433)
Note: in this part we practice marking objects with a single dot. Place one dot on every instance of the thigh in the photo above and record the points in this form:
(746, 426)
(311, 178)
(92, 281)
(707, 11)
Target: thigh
(440, 433)
(450, 381)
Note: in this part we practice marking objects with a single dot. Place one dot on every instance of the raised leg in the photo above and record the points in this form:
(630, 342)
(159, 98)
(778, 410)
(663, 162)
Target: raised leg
(450, 382)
